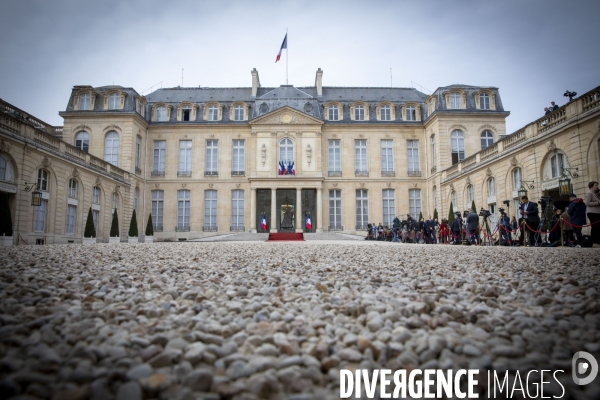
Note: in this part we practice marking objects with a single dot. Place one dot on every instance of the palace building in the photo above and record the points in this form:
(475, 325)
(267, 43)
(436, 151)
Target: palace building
(210, 161)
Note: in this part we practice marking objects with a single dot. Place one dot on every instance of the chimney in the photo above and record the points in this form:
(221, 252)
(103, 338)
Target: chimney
(319, 82)
(255, 82)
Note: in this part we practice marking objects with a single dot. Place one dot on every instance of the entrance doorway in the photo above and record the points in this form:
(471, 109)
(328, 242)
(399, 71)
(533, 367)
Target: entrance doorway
(286, 210)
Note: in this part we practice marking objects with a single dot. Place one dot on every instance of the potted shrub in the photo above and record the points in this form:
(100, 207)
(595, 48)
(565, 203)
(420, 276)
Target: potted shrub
(133, 229)
(114, 229)
(6, 228)
(149, 230)
(89, 234)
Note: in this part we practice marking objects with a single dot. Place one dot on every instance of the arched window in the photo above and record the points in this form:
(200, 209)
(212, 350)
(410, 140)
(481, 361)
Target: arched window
(433, 157)
(115, 201)
(238, 113)
(286, 150)
(161, 113)
(471, 194)
(43, 180)
(2, 169)
(333, 113)
(111, 148)
(487, 139)
(435, 203)
(386, 114)
(455, 101)
(359, 113)
(411, 113)
(491, 187)
(458, 146)
(557, 163)
(454, 202)
(136, 199)
(84, 101)
(82, 141)
(72, 188)
(516, 178)
(113, 101)
(213, 113)
(484, 101)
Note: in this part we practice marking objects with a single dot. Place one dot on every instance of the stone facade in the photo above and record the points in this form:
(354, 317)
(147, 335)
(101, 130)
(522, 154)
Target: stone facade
(206, 161)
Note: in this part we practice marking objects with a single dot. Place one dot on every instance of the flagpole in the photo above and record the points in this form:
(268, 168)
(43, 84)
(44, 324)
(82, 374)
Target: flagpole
(286, 57)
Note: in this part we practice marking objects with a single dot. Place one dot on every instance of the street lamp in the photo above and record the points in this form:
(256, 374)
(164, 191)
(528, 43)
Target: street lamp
(565, 188)
(36, 195)
(522, 191)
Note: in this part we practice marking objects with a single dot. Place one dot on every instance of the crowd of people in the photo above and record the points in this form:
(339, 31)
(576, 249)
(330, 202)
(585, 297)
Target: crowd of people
(565, 228)
(553, 107)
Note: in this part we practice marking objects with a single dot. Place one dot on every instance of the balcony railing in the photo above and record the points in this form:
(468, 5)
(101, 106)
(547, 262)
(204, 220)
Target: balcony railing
(211, 173)
(157, 173)
(209, 228)
(334, 173)
(336, 228)
(238, 173)
(182, 228)
(157, 228)
(361, 173)
(414, 173)
(388, 173)
(237, 228)
(184, 173)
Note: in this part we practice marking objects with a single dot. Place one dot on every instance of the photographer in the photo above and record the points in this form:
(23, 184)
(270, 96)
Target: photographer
(530, 214)
(576, 211)
(472, 225)
(504, 228)
(554, 236)
(456, 227)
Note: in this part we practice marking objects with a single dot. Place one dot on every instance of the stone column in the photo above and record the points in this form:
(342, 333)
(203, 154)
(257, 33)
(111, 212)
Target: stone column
(299, 216)
(319, 220)
(273, 221)
(252, 210)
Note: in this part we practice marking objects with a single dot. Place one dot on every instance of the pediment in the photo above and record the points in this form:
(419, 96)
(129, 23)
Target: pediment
(286, 116)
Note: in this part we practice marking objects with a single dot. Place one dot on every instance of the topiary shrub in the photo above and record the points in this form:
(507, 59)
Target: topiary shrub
(90, 230)
(149, 227)
(133, 228)
(451, 214)
(114, 226)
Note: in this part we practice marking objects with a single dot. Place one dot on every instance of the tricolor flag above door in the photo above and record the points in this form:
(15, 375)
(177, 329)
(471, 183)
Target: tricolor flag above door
(283, 46)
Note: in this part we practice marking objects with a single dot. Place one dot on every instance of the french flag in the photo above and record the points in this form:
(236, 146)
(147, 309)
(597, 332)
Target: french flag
(283, 46)
(263, 223)
(307, 223)
(290, 168)
(281, 169)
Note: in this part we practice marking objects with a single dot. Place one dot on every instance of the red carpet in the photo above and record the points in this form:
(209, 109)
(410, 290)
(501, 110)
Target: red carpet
(276, 237)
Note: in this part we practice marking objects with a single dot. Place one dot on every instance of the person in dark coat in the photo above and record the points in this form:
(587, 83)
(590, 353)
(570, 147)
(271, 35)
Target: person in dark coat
(504, 228)
(472, 224)
(530, 214)
(576, 211)
(430, 230)
(456, 227)
(554, 236)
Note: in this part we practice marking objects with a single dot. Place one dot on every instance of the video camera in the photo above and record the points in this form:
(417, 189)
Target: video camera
(545, 201)
(484, 213)
(501, 210)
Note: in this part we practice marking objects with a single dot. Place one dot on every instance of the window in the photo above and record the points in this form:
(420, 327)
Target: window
(136, 199)
(493, 217)
(113, 101)
(39, 217)
(161, 113)
(411, 113)
(43, 180)
(557, 164)
(487, 139)
(115, 201)
(111, 148)
(237, 210)
(491, 187)
(2, 169)
(212, 147)
(484, 101)
(71, 209)
(360, 156)
(433, 157)
(454, 202)
(210, 210)
(458, 146)
(158, 163)
(138, 151)
(185, 158)
(95, 217)
(333, 113)
(213, 113)
(335, 210)
(82, 141)
(455, 101)
(471, 194)
(286, 150)
(186, 113)
(238, 113)
(72, 188)
(389, 207)
(334, 160)
(238, 158)
(516, 177)
(183, 210)
(156, 209)
(84, 101)
(96, 195)
(387, 157)
(386, 114)
(413, 155)
(359, 113)
(414, 203)
(435, 203)
(362, 209)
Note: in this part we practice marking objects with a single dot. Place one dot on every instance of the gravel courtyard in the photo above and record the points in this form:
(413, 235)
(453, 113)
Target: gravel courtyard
(279, 320)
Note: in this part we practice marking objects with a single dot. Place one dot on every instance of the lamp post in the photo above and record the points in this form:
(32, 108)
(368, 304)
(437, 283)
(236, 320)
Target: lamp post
(36, 195)
(565, 187)
(522, 191)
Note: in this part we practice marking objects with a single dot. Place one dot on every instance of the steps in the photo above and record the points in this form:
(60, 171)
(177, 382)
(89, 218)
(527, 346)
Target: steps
(284, 236)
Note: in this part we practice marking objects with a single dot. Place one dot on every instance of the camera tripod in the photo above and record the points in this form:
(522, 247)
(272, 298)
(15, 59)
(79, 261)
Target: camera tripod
(488, 240)
(548, 210)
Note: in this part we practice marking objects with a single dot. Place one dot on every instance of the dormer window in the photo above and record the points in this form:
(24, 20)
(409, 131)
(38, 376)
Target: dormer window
(161, 113)
(186, 113)
(386, 114)
(455, 101)
(82, 141)
(84, 101)
(113, 101)
(411, 113)
(238, 113)
(484, 101)
(359, 113)
(213, 113)
(333, 113)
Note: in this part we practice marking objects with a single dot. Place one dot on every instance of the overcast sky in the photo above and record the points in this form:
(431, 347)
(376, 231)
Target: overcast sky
(531, 50)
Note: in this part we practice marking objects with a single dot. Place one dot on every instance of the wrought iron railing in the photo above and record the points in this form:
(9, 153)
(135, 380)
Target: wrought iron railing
(157, 173)
(184, 173)
(336, 228)
(238, 173)
(182, 228)
(334, 173)
(209, 228)
(157, 228)
(211, 173)
(361, 173)
(237, 228)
